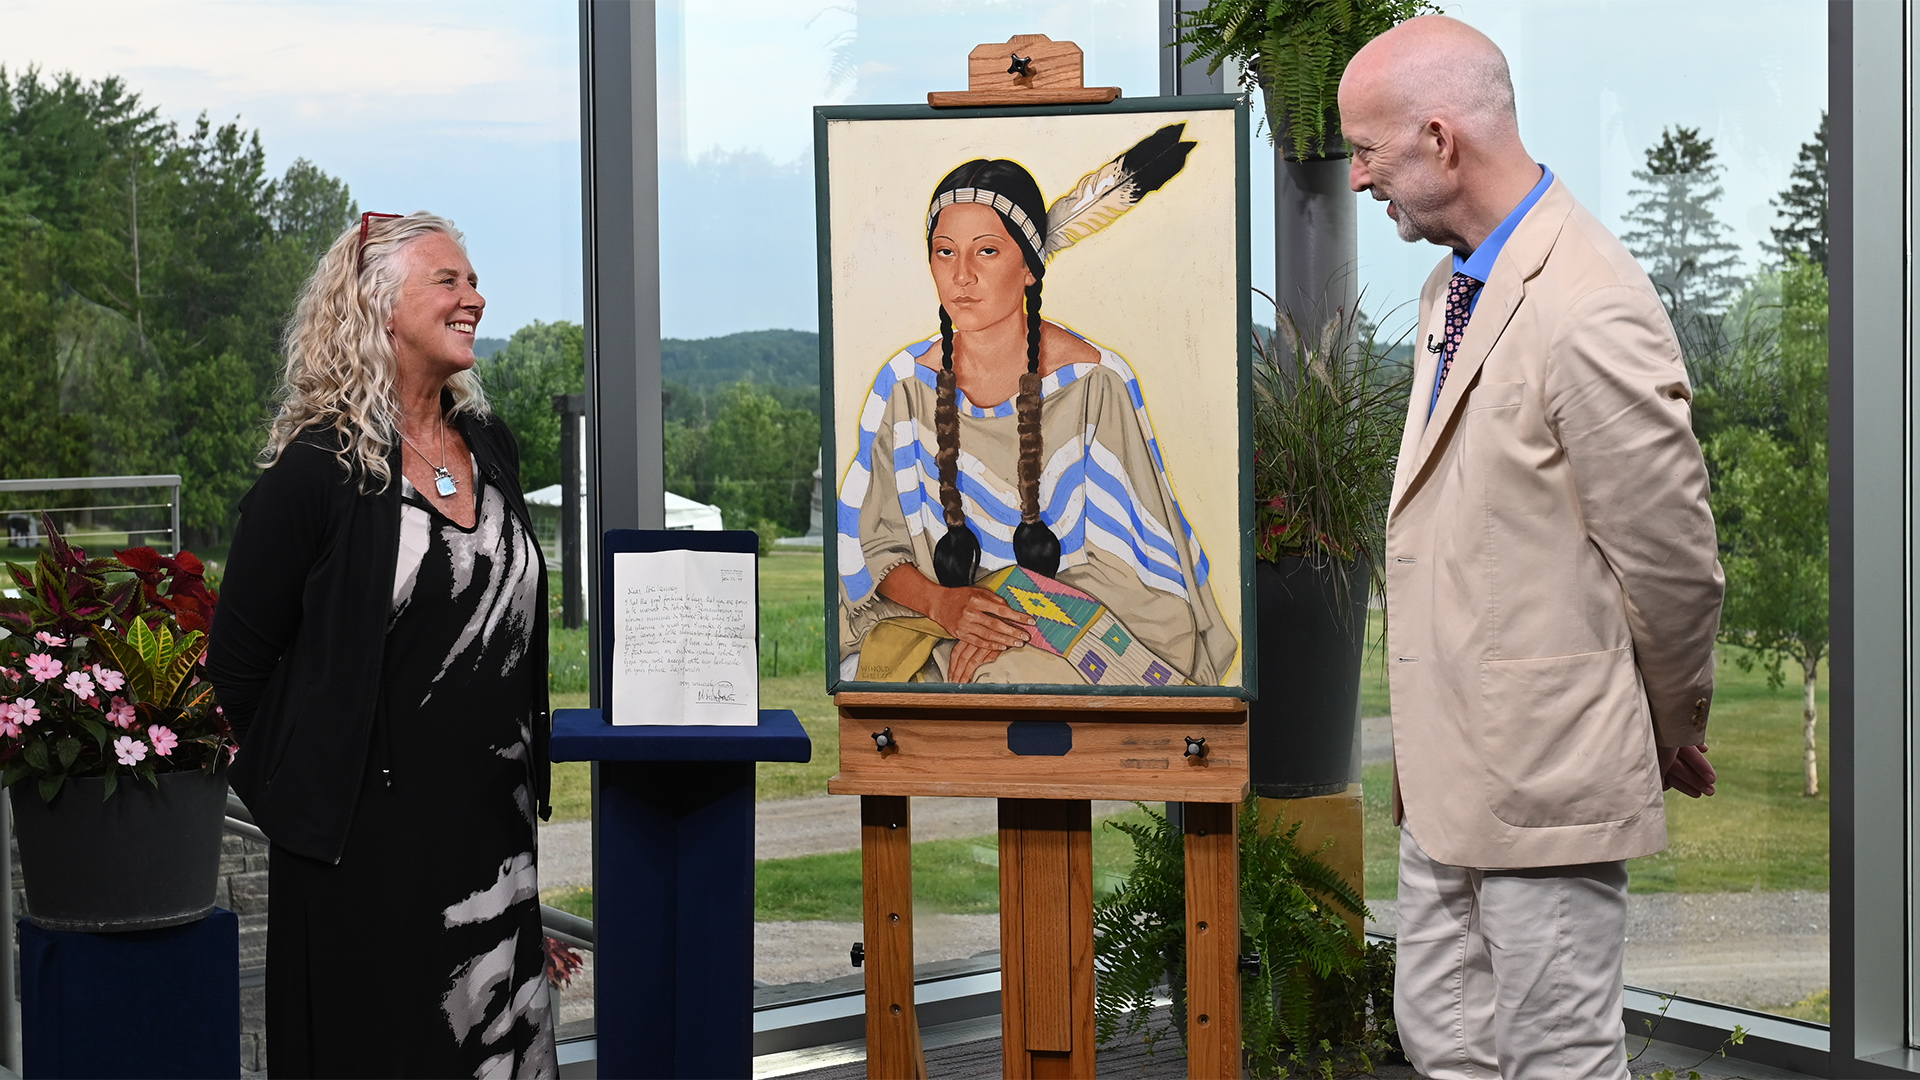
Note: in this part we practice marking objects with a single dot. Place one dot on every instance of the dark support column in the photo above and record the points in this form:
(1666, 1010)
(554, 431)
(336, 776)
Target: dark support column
(573, 410)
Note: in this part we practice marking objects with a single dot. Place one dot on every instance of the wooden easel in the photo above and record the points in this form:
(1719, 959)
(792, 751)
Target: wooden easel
(1045, 758)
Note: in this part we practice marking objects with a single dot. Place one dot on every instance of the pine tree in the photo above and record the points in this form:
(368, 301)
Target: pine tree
(1803, 205)
(1680, 239)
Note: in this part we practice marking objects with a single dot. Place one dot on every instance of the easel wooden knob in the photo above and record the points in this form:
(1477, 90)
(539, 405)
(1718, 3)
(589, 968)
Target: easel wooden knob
(1045, 758)
(1028, 69)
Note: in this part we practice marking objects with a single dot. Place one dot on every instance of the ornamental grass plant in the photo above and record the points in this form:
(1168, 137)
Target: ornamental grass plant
(100, 669)
(1328, 408)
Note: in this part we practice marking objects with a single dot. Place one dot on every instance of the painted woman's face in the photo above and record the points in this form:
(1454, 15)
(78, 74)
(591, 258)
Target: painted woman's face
(977, 268)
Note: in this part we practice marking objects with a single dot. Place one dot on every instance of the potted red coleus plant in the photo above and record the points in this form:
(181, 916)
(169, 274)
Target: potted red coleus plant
(111, 743)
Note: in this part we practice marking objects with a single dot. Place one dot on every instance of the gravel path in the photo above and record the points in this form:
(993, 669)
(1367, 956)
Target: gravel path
(793, 827)
(1758, 949)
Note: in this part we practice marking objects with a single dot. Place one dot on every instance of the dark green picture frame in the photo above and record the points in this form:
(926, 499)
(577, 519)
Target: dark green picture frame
(831, 466)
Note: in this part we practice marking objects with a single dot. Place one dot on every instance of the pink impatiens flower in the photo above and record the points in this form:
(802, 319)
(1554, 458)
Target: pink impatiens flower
(109, 679)
(22, 712)
(129, 750)
(164, 740)
(7, 727)
(44, 667)
(122, 714)
(79, 684)
(50, 639)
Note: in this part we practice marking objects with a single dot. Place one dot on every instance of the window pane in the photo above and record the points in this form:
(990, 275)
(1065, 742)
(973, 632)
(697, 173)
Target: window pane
(1736, 909)
(169, 175)
(739, 310)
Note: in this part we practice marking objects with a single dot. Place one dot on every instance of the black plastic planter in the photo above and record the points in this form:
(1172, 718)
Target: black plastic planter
(143, 859)
(1312, 636)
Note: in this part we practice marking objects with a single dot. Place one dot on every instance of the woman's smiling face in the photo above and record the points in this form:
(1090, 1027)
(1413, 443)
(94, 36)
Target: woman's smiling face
(438, 308)
(977, 267)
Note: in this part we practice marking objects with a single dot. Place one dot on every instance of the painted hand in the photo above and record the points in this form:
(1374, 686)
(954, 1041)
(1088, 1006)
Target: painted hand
(979, 618)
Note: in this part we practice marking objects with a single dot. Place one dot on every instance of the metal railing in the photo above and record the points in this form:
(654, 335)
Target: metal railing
(99, 483)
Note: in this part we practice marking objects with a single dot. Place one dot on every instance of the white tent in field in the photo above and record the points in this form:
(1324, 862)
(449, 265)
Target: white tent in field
(682, 512)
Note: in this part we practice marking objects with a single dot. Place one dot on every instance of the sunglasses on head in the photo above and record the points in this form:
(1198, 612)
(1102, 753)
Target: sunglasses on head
(365, 220)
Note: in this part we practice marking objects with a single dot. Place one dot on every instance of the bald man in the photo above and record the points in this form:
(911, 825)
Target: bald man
(1552, 584)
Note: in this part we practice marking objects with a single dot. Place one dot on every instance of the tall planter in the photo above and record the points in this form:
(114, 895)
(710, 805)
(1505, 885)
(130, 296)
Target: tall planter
(1312, 635)
(143, 859)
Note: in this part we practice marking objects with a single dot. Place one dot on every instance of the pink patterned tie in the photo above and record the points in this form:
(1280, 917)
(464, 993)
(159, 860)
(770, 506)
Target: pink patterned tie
(1460, 293)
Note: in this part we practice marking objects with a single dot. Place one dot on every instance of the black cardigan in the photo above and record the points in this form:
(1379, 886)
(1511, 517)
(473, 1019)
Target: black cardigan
(298, 636)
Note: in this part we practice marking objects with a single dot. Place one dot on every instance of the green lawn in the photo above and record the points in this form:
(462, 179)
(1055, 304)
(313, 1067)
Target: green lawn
(1757, 832)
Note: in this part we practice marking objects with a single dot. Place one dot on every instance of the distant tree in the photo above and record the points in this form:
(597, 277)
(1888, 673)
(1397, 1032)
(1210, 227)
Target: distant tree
(1803, 204)
(758, 457)
(540, 361)
(145, 273)
(1680, 240)
(1770, 501)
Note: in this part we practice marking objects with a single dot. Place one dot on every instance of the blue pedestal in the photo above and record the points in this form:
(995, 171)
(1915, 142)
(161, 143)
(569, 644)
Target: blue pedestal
(147, 1003)
(673, 888)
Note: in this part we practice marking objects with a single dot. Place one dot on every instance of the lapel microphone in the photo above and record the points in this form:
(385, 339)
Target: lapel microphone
(1432, 345)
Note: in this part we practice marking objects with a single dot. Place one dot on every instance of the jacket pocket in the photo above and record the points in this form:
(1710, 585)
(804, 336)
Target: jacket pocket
(1566, 740)
(1495, 395)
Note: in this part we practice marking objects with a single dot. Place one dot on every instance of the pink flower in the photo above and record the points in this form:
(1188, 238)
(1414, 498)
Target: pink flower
(79, 684)
(7, 727)
(44, 667)
(122, 714)
(129, 750)
(232, 752)
(164, 740)
(22, 712)
(109, 679)
(50, 639)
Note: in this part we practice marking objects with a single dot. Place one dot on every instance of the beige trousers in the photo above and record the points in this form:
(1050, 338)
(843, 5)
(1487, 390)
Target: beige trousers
(1511, 973)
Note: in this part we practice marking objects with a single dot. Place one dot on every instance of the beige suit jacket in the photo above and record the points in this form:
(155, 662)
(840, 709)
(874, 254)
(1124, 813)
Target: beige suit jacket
(1553, 589)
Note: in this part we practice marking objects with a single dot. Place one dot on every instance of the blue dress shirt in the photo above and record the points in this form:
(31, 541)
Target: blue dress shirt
(1479, 265)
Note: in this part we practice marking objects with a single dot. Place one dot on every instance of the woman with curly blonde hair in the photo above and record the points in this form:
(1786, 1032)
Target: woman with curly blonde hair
(380, 652)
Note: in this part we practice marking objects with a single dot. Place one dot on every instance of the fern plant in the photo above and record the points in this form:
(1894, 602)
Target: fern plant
(1295, 51)
(1318, 998)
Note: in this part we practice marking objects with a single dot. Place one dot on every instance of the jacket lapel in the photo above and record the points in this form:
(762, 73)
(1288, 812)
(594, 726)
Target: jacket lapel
(1426, 365)
(1524, 254)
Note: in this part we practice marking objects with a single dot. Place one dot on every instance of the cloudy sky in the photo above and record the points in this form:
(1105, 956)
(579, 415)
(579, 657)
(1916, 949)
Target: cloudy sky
(471, 110)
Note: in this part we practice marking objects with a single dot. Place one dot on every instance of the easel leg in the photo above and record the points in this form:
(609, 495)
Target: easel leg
(1046, 938)
(1213, 940)
(886, 885)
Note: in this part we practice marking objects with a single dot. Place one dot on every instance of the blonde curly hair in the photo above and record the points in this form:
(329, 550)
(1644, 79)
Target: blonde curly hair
(340, 360)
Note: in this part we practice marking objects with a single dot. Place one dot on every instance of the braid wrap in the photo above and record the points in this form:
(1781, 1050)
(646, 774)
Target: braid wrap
(956, 558)
(1035, 547)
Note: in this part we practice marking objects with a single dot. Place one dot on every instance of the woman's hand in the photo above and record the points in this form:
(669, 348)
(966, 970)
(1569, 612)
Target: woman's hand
(982, 624)
(979, 618)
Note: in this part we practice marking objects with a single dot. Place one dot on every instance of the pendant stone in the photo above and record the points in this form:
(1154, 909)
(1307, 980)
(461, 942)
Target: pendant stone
(443, 482)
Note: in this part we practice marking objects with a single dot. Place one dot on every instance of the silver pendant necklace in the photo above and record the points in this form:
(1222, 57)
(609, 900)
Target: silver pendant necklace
(443, 481)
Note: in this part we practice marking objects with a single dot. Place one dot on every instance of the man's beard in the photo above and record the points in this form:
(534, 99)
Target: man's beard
(1417, 203)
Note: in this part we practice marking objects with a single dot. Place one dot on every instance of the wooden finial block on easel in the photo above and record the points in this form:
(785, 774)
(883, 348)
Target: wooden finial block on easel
(1027, 69)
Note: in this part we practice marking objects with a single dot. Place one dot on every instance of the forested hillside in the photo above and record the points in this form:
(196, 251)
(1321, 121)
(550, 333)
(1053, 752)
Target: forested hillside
(145, 270)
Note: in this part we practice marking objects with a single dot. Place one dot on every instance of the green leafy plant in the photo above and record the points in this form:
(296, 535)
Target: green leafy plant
(1319, 1002)
(1327, 414)
(100, 669)
(1295, 51)
(1736, 1037)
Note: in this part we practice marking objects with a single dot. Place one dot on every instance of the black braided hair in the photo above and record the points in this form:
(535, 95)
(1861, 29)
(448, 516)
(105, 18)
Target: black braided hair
(956, 558)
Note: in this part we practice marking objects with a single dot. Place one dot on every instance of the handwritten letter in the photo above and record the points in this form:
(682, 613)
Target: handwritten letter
(684, 648)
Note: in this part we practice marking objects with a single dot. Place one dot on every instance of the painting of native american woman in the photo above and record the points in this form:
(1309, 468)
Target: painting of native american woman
(1006, 510)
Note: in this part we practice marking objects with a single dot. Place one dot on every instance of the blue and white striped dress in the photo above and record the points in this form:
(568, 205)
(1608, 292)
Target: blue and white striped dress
(1103, 491)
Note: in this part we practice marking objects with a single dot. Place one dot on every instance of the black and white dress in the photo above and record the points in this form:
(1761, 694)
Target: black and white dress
(445, 973)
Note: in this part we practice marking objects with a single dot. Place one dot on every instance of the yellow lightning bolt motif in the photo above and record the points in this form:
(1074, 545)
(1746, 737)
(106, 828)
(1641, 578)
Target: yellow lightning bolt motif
(1039, 605)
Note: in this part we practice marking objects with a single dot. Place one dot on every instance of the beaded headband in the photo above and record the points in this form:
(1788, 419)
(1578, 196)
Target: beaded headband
(994, 199)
